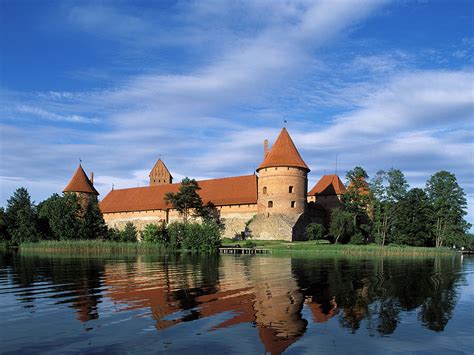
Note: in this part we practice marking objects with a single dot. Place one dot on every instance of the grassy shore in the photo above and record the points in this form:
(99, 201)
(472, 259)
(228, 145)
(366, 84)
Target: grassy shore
(90, 247)
(277, 247)
(323, 247)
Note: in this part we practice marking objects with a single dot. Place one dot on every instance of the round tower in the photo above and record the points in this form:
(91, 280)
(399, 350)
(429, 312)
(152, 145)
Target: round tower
(282, 178)
(83, 187)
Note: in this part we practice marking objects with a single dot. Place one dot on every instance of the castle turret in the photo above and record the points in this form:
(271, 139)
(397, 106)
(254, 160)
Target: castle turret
(82, 186)
(282, 178)
(160, 174)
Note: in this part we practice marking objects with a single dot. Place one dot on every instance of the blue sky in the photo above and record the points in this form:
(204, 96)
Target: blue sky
(202, 83)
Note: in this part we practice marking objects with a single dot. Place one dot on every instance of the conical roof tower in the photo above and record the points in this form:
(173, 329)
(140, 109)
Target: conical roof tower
(283, 153)
(80, 183)
(282, 179)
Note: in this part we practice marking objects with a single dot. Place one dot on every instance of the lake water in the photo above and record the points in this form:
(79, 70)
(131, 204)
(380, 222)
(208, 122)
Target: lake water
(236, 304)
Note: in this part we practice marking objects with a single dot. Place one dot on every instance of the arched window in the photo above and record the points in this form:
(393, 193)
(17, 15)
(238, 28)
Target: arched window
(290, 189)
(264, 190)
(270, 204)
(293, 204)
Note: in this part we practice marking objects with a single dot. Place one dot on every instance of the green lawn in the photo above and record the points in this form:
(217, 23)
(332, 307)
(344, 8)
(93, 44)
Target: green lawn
(324, 247)
(276, 246)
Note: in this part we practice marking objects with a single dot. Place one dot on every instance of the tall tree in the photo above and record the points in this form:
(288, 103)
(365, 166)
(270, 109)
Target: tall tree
(21, 217)
(341, 226)
(61, 214)
(187, 200)
(413, 220)
(388, 188)
(3, 226)
(92, 223)
(357, 198)
(449, 206)
(397, 185)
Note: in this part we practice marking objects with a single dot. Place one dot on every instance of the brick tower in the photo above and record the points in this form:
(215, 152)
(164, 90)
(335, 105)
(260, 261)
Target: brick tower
(83, 187)
(160, 175)
(282, 179)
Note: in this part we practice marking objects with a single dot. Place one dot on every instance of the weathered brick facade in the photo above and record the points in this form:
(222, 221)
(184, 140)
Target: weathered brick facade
(272, 205)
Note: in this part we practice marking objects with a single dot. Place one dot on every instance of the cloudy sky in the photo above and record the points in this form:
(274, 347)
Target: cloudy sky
(202, 83)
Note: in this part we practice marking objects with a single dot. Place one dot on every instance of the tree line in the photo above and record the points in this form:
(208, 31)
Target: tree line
(61, 217)
(386, 211)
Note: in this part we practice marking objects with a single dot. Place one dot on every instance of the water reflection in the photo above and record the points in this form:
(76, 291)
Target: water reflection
(277, 296)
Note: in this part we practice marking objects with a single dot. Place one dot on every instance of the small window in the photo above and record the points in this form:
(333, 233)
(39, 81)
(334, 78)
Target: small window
(264, 190)
(276, 168)
(270, 204)
(290, 189)
(293, 204)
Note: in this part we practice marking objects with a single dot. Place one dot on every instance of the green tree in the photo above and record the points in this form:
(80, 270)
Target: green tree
(413, 221)
(4, 237)
(92, 223)
(358, 197)
(129, 233)
(186, 199)
(387, 190)
(315, 231)
(449, 207)
(209, 213)
(61, 216)
(341, 226)
(21, 217)
(153, 233)
(397, 187)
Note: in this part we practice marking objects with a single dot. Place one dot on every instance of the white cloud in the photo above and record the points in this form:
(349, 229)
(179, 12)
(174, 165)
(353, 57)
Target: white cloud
(41, 113)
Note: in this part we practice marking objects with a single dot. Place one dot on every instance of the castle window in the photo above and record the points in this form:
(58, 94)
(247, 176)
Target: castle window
(290, 189)
(270, 204)
(293, 204)
(276, 168)
(264, 190)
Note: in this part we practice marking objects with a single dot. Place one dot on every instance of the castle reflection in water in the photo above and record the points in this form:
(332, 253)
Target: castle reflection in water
(279, 296)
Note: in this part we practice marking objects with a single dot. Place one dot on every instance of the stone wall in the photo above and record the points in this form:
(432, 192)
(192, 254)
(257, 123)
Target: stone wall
(278, 227)
(235, 218)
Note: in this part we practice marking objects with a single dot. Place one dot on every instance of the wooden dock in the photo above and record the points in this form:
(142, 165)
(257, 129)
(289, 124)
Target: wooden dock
(238, 250)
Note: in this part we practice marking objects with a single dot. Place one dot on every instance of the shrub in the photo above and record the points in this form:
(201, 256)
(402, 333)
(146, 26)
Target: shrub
(113, 234)
(249, 244)
(315, 231)
(210, 236)
(357, 238)
(194, 236)
(176, 231)
(153, 233)
(129, 233)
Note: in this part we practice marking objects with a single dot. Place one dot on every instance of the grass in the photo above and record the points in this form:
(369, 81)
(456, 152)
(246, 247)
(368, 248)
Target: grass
(90, 247)
(324, 247)
(96, 247)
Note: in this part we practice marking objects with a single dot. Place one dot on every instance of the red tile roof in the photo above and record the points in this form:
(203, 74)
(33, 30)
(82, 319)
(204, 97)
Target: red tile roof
(328, 185)
(80, 183)
(236, 190)
(283, 153)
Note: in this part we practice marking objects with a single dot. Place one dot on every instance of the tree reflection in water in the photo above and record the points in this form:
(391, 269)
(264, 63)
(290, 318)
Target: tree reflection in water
(268, 293)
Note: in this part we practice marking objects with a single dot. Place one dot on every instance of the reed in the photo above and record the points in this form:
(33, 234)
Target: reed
(90, 247)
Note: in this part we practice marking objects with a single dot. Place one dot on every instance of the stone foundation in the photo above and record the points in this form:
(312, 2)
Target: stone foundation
(278, 227)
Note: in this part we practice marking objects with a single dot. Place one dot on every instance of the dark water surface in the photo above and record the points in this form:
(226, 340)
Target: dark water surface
(236, 304)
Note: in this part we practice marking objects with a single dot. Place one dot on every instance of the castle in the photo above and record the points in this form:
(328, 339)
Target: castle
(274, 203)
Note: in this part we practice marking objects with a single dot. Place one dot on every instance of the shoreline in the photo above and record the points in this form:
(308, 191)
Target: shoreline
(276, 247)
